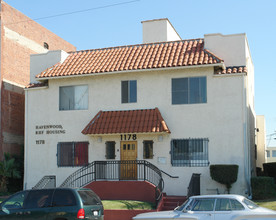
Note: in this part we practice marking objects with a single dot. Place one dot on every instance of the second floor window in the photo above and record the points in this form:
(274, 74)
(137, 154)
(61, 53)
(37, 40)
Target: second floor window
(129, 91)
(73, 97)
(189, 90)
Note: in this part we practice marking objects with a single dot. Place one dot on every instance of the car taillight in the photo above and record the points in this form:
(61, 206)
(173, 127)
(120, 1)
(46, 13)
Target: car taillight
(81, 214)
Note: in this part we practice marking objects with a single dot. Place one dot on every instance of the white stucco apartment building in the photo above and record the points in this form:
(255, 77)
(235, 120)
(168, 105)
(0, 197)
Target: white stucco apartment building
(181, 105)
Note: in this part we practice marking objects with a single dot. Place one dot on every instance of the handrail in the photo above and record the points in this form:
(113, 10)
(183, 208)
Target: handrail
(46, 182)
(169, 174)
(117, 170)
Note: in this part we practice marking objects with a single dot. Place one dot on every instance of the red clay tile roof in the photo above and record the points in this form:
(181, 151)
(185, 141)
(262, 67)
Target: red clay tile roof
(129, 121)
(135, 57)
(36, 85)
(232, 69)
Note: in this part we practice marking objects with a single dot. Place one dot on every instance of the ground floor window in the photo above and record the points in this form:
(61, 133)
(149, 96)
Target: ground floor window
(72, 154)
(148, 150)
(110, 150)
(189, 152)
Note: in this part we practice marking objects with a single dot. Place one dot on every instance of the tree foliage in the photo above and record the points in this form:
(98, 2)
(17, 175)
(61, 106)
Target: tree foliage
(8, 169)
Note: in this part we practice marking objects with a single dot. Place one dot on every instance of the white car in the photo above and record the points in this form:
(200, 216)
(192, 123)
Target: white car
(213, 207)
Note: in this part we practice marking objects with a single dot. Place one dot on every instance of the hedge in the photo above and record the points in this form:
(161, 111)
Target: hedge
(224, 174)
(263, 187)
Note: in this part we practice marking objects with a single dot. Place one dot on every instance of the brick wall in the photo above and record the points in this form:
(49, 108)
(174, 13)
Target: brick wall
(19, 40)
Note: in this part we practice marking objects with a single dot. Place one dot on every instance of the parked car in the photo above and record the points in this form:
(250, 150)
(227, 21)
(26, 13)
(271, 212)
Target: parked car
(214, 207)
(53, 204)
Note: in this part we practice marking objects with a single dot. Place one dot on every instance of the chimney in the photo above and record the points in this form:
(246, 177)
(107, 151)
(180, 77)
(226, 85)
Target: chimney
(233, 48)
(159, 30)
(41, 62)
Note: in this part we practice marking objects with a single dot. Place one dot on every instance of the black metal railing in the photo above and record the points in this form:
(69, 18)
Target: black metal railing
(117, 170)
(46, 182)
(194, 185)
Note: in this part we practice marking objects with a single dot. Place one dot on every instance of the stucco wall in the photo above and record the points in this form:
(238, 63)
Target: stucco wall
(220, 120)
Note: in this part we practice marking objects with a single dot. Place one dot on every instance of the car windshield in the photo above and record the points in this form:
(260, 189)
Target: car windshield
(250, 204)
(183, 206)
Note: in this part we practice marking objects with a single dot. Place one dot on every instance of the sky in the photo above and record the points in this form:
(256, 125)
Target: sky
(91, 24)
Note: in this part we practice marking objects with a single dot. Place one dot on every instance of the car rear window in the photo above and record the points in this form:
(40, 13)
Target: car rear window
(64, 198)
(89, 198)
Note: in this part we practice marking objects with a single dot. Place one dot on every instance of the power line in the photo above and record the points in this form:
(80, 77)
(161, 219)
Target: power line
(76, 12)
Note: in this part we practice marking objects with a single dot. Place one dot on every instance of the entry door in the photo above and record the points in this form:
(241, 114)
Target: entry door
(128, 158)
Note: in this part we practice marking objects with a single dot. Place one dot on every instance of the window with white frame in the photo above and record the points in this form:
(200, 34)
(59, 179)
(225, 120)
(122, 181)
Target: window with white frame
(268, 153)
(189, 90)
(129, 91)
(72, 154)
(273, 153)
(73, 97)
(190, 152)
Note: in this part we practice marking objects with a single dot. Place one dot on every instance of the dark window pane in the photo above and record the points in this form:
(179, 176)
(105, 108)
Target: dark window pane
(189, 90)
(110, 150)
(124, 91)
(66, 98)
(81, 153)
(180, 91)
(133, 91)
(203, 89)
(64, 198)
(148, 149)
(39, 199)
(65, 155)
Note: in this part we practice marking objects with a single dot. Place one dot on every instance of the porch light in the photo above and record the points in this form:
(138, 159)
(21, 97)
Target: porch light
(99, 139)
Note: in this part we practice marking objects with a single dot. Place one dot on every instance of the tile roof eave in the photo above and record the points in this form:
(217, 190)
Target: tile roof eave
(222, 65)
(108, 134)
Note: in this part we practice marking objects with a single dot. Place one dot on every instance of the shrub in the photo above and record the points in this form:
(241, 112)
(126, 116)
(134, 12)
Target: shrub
(263, 187)
(270, 170)
(224, 174)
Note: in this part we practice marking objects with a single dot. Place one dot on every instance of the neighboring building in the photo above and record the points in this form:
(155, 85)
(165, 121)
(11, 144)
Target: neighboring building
(179, 104)
(260, 141)
(20, 37)
(270, 154)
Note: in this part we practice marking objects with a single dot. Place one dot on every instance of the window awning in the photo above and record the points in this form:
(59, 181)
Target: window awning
(129, 121)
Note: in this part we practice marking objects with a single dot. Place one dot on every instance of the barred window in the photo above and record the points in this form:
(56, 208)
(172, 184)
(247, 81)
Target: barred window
(189, 152)
(110, 150)
(148, 150)
(72, 154)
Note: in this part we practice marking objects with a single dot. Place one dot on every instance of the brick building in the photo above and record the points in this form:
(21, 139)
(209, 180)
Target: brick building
(20, 37)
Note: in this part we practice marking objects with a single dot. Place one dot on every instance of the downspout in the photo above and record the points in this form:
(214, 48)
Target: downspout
(26, 141)
(247, 174)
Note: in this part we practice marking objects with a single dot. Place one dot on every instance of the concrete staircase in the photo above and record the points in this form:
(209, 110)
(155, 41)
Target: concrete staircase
(171, 202)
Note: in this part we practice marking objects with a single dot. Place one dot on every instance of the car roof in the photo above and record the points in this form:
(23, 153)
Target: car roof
(229, 196)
